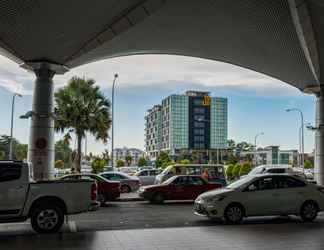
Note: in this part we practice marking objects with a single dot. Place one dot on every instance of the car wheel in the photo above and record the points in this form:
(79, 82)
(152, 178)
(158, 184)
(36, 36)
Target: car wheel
(308, 211)
(102, 200)
(158, 198)
(234, 214)
(47, 218)
(125, 189)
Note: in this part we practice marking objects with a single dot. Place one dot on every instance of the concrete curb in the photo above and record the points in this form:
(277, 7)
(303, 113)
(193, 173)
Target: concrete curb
(129, 199)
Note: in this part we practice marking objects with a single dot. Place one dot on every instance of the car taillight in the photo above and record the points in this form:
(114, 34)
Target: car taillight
(94, 192)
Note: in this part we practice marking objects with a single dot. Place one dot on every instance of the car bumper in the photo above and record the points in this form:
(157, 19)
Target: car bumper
(208, 210)
(145, 195)
(94, 206)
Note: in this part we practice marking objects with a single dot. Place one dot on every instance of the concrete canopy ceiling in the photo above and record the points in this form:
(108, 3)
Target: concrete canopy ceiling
(281, 38)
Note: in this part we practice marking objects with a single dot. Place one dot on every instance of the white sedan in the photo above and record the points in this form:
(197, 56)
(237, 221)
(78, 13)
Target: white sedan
(261, 195)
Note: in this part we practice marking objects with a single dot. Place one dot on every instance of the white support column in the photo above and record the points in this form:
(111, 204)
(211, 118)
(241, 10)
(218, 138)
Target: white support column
(319, 140)
(41, 142)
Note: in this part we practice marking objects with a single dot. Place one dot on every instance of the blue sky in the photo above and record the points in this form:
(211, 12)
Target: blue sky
(256, 102)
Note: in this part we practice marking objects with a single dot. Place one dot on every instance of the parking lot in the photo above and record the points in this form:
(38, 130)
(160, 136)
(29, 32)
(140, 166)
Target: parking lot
(140, 225)
(143, 215)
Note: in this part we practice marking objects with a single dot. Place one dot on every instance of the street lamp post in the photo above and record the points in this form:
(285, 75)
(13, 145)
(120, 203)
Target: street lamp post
(302, 135)
(255, 147)
(11, 125)
(112, 120)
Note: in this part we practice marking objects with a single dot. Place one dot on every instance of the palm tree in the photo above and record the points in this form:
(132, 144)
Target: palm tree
(81, 107)
(128, 160)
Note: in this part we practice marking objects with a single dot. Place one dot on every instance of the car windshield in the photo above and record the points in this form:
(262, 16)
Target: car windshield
(170, 180)
(257, 170)
(167, 170)
(240, 182)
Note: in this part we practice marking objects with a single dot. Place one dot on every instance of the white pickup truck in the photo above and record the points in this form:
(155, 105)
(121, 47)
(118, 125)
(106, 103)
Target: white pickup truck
(46, 203)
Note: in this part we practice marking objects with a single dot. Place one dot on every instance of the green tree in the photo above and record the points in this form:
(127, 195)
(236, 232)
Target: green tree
(185, 161)
(105, 155)
(98, 165)
(128, 160)
(229, 171)
(120, 163)
(81, 107)
(232, 159)
(2, 155)
(231, 144)
(163, 160)
(236, 170)
(308, 164)
(19, 151)
(244, 146)
(142, 162)
(63, 152)
(245, 169)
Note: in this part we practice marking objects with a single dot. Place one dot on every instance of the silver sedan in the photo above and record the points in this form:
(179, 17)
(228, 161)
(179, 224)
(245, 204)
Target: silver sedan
(127, 183)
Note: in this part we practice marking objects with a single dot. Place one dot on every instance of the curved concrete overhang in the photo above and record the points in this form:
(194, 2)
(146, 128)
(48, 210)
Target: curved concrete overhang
(280, 38)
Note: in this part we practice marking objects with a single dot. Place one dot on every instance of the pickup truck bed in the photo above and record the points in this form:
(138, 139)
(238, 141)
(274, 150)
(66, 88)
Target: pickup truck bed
(45, 202)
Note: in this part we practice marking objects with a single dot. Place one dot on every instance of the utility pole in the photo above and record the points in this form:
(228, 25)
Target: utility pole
(11, 124)
(112, 120)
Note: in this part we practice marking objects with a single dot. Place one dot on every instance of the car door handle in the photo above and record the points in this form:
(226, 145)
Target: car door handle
(19, 187)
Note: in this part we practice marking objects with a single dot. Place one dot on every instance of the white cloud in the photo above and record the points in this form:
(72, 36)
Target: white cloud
(150, 70)
(155, 70)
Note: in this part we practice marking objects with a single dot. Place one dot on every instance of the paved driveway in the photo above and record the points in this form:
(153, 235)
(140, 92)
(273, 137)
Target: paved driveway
(139, 225)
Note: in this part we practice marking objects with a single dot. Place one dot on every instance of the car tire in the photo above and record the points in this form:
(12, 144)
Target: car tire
(125, 189)
(102, 200)
(158, 198)
(308, 211)
(47, 218)
(234, 214)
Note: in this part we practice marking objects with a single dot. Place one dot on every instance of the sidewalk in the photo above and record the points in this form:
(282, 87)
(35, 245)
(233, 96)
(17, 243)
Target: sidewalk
(129, 197)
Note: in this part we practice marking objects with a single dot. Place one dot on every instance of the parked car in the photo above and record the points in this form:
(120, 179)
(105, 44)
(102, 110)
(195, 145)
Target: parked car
(45, 203)
(147, 176)
(272, 169)
(276, 169)
(107, 190)
(127, 183)
(215, 172)
(181, 187)
(145, 167)
(128, 170)
(309, 173)
(261, 195)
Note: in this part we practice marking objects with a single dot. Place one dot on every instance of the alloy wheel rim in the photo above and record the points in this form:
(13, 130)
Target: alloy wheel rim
(309, 211)
(125, 189)
(47, 219)
(234, 214)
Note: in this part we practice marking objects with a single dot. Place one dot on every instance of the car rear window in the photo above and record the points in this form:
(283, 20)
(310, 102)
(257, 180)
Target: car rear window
(10, 173)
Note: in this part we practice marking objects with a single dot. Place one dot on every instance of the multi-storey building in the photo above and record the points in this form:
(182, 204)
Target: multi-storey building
(153, 131)
(190, 122)
(122, 153)
(272, 155)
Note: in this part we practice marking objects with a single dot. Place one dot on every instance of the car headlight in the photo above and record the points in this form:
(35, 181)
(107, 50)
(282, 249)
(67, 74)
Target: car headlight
(141, 189)
(215, 199)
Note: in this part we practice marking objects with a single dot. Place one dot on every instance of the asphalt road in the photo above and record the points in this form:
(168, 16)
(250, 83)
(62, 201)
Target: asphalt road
(143, 215)
(140, 225)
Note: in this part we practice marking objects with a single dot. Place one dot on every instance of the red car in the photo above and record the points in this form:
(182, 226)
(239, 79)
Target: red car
(107, 190)
(181, 187)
